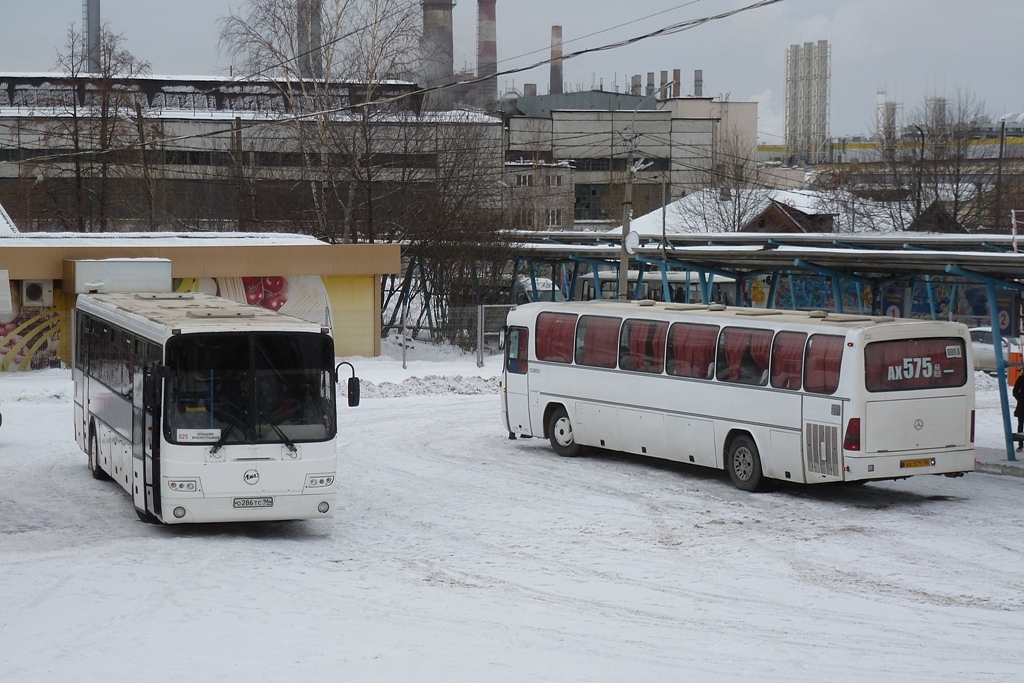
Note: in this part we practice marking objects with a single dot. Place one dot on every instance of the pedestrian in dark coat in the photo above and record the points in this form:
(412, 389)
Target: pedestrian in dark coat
(1018, 395)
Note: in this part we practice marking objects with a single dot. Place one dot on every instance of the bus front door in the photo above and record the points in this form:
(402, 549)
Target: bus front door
(146, 444)
(516, 399)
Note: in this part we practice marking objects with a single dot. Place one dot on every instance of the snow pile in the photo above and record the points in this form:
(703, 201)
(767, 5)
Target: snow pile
(431, 385)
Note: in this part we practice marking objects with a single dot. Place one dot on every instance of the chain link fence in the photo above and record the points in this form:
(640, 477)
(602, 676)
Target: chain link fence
(470, 328)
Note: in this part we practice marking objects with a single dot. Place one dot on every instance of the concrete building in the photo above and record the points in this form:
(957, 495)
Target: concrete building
(539, 195)
(663, 147)
(206, 154)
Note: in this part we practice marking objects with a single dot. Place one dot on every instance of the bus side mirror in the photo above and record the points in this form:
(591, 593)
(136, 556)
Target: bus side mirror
(501, 337)
(353, 392)
(353, 384)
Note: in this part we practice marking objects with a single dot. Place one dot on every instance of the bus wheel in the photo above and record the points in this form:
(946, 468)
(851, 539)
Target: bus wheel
(560, 434)
(94, 463)
(146, 517)
(744, 464)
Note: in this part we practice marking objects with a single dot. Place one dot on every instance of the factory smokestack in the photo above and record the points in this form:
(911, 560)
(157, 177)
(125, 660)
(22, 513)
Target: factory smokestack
(310, 30)
(555, 87)
(93, 28)
(487, 39)
(487, 48)
(437, 44)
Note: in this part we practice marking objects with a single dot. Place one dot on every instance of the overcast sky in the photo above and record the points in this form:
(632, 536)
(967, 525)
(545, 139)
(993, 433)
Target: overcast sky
(911, 49)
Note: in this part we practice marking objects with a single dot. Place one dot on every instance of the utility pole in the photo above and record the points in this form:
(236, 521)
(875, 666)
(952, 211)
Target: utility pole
(920, 170)
(627, 214)
(999, 179)
(150, 187)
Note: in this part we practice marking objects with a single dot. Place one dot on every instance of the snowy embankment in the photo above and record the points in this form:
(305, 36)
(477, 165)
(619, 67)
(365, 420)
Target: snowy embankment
(456, 554)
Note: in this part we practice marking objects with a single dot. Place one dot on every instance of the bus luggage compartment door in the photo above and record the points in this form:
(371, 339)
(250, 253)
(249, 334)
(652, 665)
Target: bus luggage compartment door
(822, 437)
(916, 424)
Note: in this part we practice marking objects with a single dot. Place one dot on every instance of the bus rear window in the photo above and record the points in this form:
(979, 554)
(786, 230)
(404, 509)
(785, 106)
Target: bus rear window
(556, 336)
(906, 364)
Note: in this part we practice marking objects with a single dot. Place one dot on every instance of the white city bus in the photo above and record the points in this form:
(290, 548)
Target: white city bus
(765, 394)
(206, 410)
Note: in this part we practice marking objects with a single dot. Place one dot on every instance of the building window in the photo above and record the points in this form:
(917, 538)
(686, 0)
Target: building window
(554, 217)
(554, 181)
(524, 180)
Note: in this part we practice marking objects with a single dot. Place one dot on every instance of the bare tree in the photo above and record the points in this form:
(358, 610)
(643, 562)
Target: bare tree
(337, 107)
(375, 169)
(97, 119)
(955, 172)
(935, 176)
(455, 250)
(733, 191)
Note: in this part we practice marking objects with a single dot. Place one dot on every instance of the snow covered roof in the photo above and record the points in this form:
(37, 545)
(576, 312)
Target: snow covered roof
(700, 212)
(7, 226)
(148, 239)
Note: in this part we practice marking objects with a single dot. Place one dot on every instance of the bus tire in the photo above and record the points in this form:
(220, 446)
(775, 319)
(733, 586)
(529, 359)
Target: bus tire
(146, 517)
(94, 459)
(744, 464)
(560, 434)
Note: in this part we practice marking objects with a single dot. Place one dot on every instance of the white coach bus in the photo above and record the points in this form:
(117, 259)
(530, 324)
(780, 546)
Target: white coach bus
(765, 394)
(206, 410)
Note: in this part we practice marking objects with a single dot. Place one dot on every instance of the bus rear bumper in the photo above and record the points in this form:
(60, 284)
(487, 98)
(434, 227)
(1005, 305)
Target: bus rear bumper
(264, 508)
(893, 466)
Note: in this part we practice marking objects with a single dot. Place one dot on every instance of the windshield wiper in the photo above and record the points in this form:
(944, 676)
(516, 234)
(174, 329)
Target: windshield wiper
(224, 435)
(284, 437)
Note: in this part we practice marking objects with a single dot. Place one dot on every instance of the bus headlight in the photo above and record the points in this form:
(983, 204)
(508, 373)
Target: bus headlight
(183, 485)
(319, 481)
(179, 512)
(323, 507)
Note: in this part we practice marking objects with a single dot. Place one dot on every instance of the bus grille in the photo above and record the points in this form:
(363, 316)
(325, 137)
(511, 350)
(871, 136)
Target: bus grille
(823, 449)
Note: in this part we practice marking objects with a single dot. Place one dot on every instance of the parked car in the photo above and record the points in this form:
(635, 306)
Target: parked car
(984, 350)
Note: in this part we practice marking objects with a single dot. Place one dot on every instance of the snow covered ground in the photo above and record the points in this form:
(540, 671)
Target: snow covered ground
(459, 555)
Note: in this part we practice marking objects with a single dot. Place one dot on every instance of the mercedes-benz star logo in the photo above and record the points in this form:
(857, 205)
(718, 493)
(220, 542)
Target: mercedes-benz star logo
(918, 425)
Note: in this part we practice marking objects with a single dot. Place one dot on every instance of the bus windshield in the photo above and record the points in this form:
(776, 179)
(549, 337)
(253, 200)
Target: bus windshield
(253, 388)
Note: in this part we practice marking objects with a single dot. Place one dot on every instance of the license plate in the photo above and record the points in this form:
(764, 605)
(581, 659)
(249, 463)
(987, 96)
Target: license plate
(919, 462)
(254, 502)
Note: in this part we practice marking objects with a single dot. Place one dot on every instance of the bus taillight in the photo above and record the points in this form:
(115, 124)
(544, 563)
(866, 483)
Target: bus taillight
(851, 442)
(972, 426)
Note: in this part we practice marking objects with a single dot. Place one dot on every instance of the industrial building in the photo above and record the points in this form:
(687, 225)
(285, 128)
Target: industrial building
(662, 143)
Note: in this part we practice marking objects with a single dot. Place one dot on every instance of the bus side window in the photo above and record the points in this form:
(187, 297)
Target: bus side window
(743, 355)
(642, 348)
(691, 350)
(822, 362)
(516, 360)
(597, 341)
(555, 334)
(788, 360)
